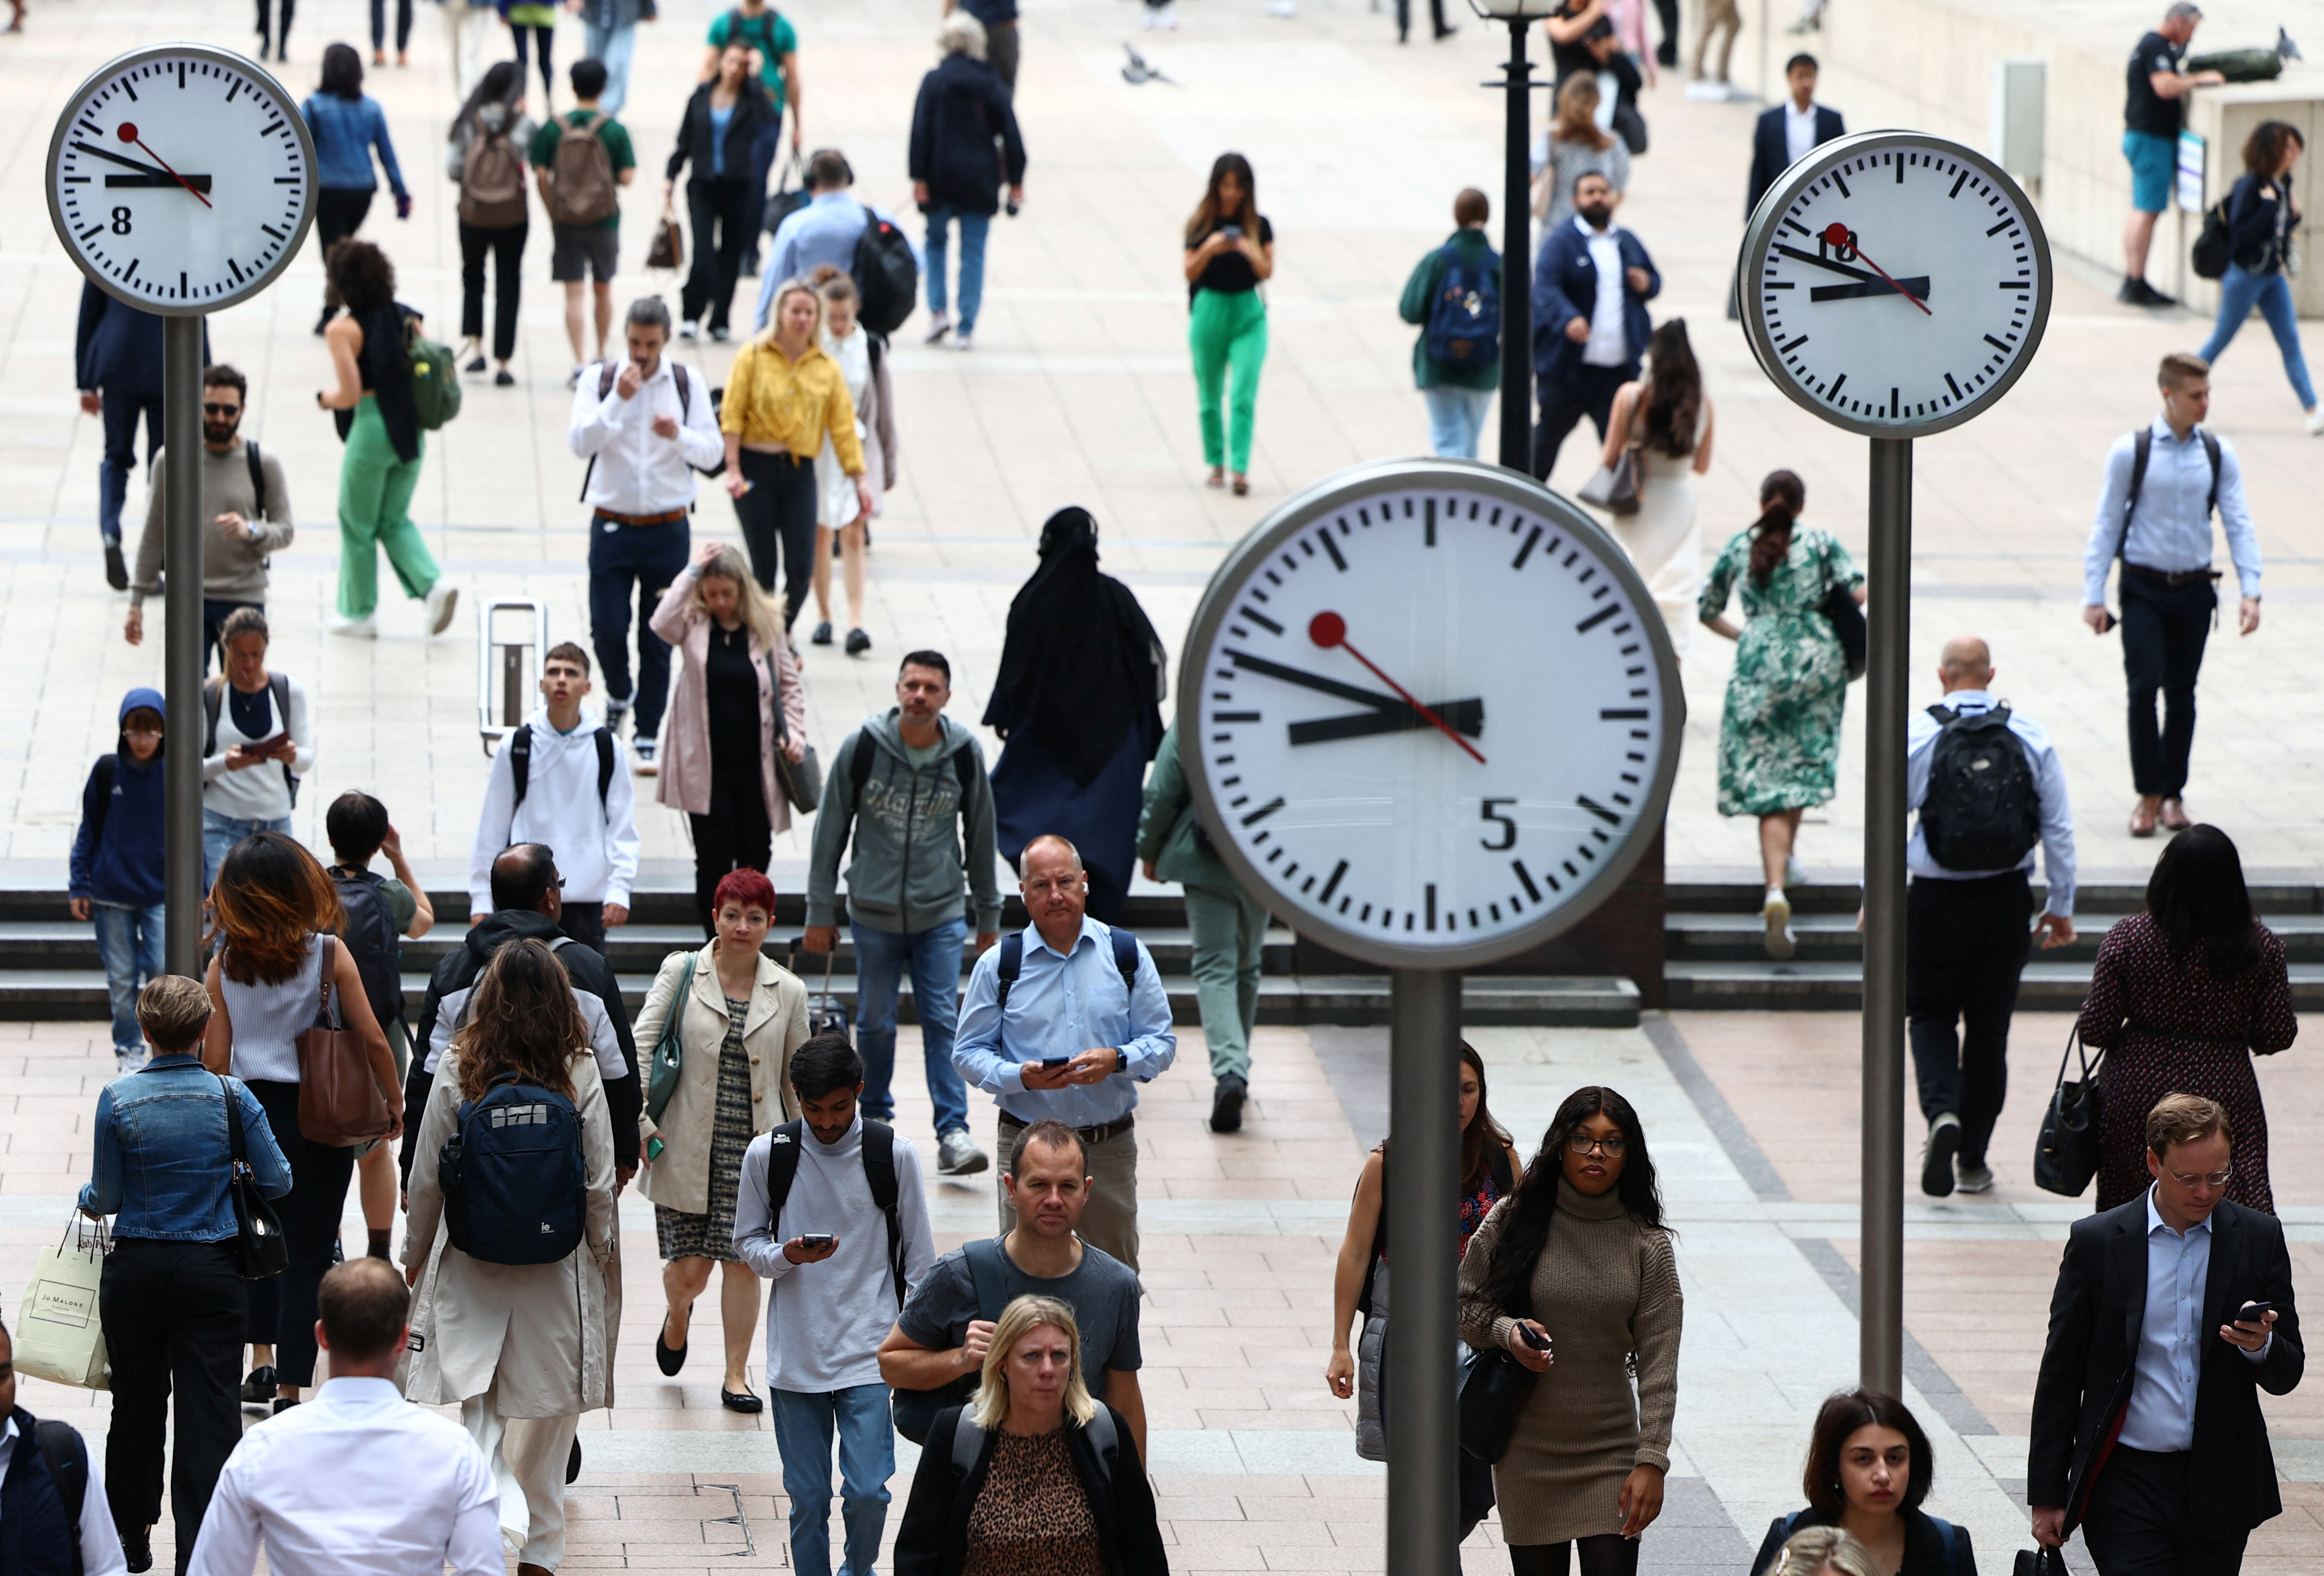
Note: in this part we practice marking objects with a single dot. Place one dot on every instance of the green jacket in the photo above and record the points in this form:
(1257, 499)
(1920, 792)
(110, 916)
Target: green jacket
(1420, 293)
(1167, 828)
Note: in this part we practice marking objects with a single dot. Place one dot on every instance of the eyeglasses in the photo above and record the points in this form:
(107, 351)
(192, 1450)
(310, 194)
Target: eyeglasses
(209, 408)
(2216, 1178)
(142, 732)
(1582, 1143)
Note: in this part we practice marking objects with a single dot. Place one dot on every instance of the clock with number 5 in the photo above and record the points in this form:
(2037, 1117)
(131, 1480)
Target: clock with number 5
(1429, 713)
(181, 178)
(1893, 283)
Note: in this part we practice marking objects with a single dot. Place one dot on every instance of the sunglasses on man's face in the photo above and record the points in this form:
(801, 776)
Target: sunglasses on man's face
(220, 411)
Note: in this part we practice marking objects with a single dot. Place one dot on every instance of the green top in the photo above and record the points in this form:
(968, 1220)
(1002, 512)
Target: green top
(771, 34)
(1420, 294)
(532, 15)
(542, 154)
(1168, 831)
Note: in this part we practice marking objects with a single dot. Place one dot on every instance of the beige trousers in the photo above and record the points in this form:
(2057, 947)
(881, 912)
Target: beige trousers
(1109, 1219)
(528, 1457)
(1718, 16)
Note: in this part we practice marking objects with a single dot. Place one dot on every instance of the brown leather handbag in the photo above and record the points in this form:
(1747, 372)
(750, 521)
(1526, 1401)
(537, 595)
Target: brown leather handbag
(339, 1101)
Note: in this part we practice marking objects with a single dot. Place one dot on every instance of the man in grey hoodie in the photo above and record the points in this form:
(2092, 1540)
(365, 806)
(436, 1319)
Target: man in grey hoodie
(911, 784)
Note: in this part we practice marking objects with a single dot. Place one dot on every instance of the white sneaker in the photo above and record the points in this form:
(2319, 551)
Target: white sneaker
(443, 600)
(1777, 913)
(1702, 90)
(958, 1156)
(963, 340)
(2316, 422)
(1974, 1178)
(366, 628)
(129, 1058)
(690, 329)
(642, 756)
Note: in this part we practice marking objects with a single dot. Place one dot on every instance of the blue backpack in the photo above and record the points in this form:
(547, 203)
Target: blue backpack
(515, 1185)
(1464, 320)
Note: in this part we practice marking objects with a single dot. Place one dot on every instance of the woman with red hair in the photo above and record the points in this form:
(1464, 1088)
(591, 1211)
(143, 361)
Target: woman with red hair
(739, 1017)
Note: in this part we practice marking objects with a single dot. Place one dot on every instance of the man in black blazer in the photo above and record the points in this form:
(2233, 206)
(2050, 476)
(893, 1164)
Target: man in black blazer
(2147, 1431)
(1787, 132)
(1591, 282)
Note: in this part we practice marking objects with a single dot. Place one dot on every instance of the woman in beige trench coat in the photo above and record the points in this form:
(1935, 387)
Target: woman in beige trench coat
(741, 1017)
(520, 1348)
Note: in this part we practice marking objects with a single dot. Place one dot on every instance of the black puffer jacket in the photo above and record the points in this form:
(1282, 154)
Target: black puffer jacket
(752, 110)
(963, 107)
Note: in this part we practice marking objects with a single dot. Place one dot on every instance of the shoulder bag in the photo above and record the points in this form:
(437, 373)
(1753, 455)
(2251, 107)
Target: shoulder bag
(2066, 1155)
(1494, 1389)
(801, 782)
(259, 1248)
(339, 1101)
(669, 1053)
(1847, 618)
(1615, 487)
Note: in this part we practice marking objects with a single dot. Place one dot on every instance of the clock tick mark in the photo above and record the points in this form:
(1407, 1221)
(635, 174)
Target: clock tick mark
(1264, 811)
(1996, 344)
(1525, 551)
(1595, 619)
(1262, 621)
(1333, 885)
(1622, 715)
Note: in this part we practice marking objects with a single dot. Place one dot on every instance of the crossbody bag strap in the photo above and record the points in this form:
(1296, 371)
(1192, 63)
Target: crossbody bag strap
(323, 972)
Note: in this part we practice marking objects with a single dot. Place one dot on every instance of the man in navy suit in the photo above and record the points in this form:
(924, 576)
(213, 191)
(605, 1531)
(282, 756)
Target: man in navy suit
(117, 366)
(1590, 286)
(1788, 132)
(2147, 1429)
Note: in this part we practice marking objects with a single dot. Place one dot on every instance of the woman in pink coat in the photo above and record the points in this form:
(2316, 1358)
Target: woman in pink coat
(724, 726)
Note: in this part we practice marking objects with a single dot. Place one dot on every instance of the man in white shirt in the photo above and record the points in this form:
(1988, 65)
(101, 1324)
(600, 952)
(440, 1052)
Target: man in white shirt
(358, 1481)
(1989, 787)
(838, 1261)
(1590, 285)
(645, 427)
(38, 1524)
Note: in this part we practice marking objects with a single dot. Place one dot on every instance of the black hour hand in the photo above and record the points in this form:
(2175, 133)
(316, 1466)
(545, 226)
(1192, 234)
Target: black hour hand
(1825, 262)
(159, 179)
(1464, 717)
(1871, 287)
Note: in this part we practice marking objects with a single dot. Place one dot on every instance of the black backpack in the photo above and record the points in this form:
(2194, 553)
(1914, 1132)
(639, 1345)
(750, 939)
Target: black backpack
(515, 1183)
(1984, 806)
(887, 275)
(2215, 245)
(374, 941)
(521, 763)
(66, 1455)
(916, 1410)
(879, 1170)
(214, 697)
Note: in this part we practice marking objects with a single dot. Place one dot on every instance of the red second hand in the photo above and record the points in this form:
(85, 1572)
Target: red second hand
(128, 134)
(1329, 629)
(1836, 234)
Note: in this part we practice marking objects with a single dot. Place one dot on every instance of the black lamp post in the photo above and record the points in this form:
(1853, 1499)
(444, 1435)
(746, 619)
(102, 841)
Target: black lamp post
(1517, 251)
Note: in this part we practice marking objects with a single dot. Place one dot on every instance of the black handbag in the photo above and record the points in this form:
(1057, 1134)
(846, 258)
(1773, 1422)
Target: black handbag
(1847, 618)
(2066, 1155)
(259, 1248)
(1494, 1389)
(2042, 1562)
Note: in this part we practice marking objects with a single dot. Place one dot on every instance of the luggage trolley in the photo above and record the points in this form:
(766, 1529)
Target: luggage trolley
(508, 656)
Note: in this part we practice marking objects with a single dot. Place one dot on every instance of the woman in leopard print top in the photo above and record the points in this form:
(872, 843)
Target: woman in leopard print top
(1036, 1477)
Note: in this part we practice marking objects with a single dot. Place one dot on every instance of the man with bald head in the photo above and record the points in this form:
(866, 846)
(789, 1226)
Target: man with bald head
(1063, 1021)
(1989, 788)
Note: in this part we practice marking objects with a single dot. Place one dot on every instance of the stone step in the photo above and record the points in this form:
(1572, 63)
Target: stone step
(1731, 937)
(1802, 984)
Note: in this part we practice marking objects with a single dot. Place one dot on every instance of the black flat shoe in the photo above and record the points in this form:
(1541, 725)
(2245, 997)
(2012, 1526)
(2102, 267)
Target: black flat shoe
(666, 1359)
(740, 1401)
(822, 636)
(475, 365)
(258, 1389)
(573, 1461)
(116, 568)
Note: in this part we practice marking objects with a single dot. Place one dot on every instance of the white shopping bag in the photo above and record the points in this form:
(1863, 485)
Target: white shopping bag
(58, 1333)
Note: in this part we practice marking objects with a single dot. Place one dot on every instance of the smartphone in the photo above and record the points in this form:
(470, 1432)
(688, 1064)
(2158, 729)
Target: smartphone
(1051, 1064)
(2107, 620)
(816, 1241)
(1533, 1338)
(1232, 232)
(2253, 1312)
(270, 746)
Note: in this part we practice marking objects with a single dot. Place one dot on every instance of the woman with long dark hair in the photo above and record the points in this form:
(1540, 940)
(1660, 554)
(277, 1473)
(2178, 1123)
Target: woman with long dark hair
(715, 133)
(1230, 254)
(2261, 214)
(1579, 1255)
(1779, 735)
(1489, 1170)
(275, 908)
(2182, 997)
(520, 1348)
(1665, 417)
(487, 144)
(1576, 145)
(1078, 700)
(1869, 1469)
(346, 124)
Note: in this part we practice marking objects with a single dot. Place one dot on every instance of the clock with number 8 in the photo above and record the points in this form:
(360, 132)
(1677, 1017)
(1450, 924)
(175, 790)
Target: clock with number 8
(1893, 283)
(1428, 713)
(181, 178)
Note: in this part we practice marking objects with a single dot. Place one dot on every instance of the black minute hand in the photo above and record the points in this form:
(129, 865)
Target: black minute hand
(1795, 252)
(139, 165)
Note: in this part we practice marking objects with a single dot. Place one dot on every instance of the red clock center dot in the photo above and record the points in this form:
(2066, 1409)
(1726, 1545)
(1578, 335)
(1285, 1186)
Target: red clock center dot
(1836, 232)
(128, 131)
(1327, 628)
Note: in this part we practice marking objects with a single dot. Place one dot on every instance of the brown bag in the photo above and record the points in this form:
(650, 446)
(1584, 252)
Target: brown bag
(667, 249)
(339, 1101)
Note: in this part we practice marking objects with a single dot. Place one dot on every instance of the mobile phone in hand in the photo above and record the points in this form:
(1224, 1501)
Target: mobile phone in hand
(2253, 1312)
(817, 1242)
(1051, 1064)
(1533, 1338)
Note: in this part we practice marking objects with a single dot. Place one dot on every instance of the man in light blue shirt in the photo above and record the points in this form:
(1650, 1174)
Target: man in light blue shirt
(1966, 912)
(2156, 518)
(826, 230)
(1072, 1040)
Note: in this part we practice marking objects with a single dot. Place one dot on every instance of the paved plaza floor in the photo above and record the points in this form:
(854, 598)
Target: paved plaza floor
(1079, 391)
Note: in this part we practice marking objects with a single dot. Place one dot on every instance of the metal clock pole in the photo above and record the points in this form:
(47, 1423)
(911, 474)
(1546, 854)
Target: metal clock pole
(1888, 638)
(1423, 1516)
(181, 659)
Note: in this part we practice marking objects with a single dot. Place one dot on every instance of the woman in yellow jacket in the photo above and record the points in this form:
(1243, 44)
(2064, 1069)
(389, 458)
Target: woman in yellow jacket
(783, 396)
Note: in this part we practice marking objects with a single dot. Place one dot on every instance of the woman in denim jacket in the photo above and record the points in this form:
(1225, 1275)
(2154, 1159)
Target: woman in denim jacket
(172, 1298)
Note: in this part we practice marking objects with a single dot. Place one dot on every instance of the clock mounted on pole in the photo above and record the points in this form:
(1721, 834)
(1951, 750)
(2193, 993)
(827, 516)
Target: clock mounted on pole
(181, 181)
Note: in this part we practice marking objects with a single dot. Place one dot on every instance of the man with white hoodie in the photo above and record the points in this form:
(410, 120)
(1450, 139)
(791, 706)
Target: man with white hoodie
(559, 782)
(831, 1212)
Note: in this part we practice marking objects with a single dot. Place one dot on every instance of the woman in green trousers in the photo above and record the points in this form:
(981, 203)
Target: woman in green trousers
(1230, 251)
(381, 427)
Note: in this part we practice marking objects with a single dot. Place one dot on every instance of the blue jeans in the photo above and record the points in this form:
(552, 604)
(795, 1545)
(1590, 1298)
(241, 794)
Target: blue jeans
(764, 147)
(2240, 292)
(1456, 420)
(129, 942)
(867, 1460)
(973, 229)
(644, 558)
(221, 833)
(933, 956)
(613, 47)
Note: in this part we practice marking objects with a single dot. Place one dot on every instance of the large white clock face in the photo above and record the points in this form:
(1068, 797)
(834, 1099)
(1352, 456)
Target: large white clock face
(1895, 283)
(1429, 713)
(181, 178)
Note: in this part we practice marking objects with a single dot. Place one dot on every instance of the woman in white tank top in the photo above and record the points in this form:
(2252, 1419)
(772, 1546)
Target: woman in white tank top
(274, 904)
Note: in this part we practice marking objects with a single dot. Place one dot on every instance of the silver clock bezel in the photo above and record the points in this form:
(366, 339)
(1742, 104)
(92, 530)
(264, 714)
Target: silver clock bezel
(1335, 494)
(1760, 230)
(264, 82)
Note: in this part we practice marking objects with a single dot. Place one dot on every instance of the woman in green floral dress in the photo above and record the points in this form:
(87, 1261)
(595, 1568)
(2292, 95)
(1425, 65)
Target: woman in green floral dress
(1779, 736)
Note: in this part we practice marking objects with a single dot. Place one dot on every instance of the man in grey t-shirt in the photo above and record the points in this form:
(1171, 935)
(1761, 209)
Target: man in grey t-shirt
(941, 1334)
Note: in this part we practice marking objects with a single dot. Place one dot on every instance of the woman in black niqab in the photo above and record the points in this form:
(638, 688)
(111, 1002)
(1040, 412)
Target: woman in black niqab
(1078, 702)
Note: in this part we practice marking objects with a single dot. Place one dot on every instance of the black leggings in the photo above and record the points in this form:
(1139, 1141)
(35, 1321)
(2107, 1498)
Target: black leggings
(504, 244)
(266, 32)
(282, 1307)
(1604, 1553)
(733, 837)
(379, 25)
(777, 518)
(720, 207)
(548, 73)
